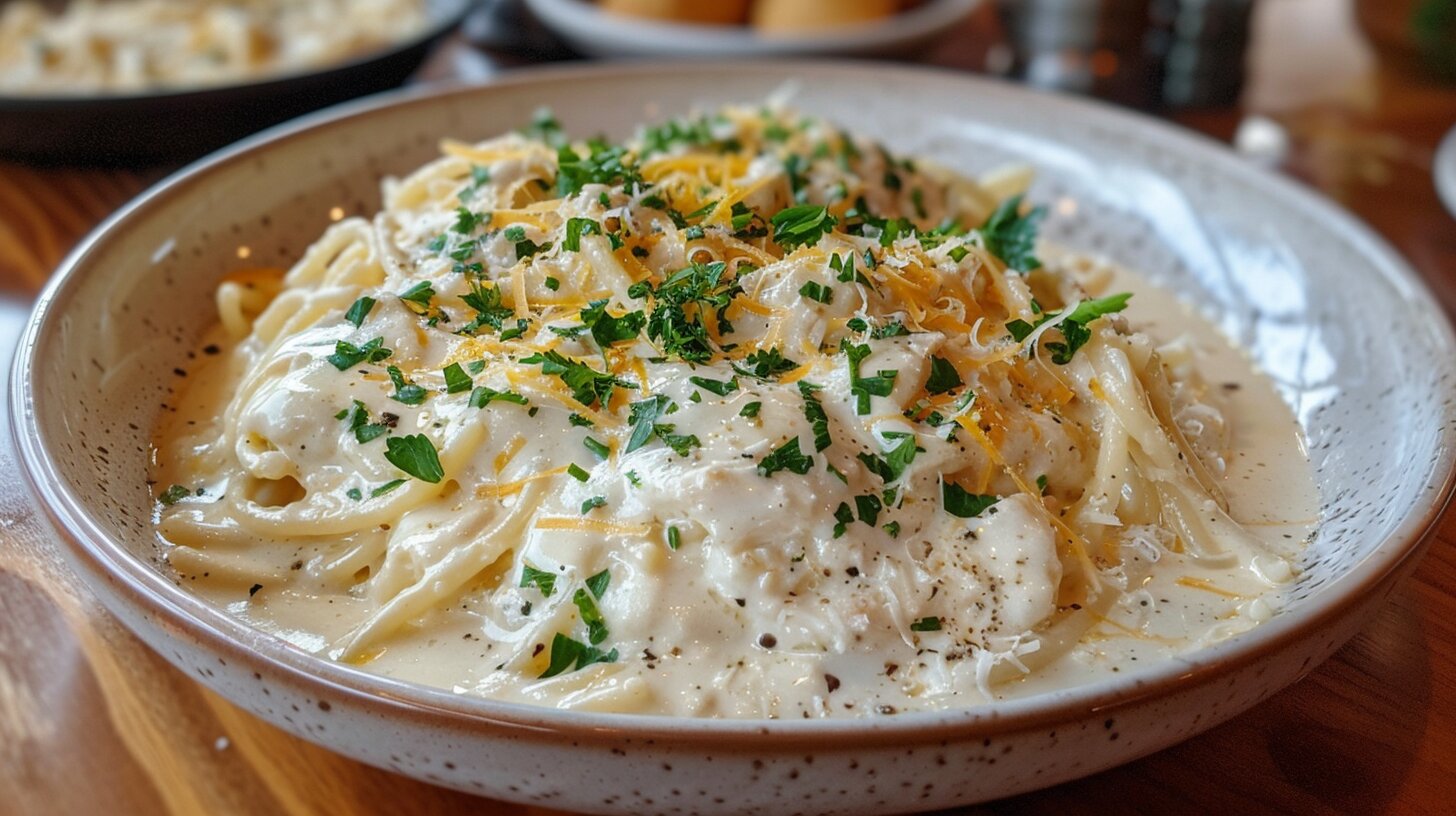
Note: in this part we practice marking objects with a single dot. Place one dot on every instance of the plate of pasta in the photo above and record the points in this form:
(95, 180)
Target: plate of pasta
(111, 81)
(742, 433)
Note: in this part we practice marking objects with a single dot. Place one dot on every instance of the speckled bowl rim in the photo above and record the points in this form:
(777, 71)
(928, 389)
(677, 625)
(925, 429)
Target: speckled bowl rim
(147, 587)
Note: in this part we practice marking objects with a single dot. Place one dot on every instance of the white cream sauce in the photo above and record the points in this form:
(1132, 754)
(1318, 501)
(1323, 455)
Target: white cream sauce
(735, 623)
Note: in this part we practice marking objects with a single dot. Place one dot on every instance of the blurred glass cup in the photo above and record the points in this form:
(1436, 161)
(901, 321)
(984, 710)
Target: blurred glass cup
(1145, 53)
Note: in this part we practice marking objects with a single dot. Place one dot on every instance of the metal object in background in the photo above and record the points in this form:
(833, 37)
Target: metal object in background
(1146, 53)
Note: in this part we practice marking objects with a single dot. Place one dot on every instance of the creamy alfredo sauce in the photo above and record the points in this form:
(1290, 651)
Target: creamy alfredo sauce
(1179, 607)
(697, 567)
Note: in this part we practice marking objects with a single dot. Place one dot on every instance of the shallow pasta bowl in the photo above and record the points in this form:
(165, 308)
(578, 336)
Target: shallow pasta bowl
(1308, 290)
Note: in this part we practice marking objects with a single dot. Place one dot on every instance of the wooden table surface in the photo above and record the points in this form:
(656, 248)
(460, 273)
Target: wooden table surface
(91, 721)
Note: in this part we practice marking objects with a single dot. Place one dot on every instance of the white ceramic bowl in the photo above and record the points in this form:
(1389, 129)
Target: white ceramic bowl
(591, 31)
(1357, 345)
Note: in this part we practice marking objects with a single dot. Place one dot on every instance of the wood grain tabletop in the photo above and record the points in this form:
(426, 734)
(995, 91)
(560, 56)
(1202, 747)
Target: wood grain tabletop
(91, 721)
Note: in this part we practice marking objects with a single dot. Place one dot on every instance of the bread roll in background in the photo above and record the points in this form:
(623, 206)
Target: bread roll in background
(807, 16)
(712, 12)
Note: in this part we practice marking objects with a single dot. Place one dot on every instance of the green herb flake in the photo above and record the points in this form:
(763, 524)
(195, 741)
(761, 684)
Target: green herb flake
(843, 517)
(575, 228)
(1011, 236)
(174, 494)
(926, 624)
(354, 493)
(943, 376)
(571, 655)
(387, 487)
(404, 390)
(359, 311)
(720, 387)
(456, 380)
(588, 386)
(597, 447)
(541, 579)
(814, 413)
(788, 457)
(801, 225)
(751, 409)
(415, 455)
(596, 625)
(347, 355)
(674, 538)
(593, 503)
(815, 291)
(483, 396)
(576, 472)
(963, 504)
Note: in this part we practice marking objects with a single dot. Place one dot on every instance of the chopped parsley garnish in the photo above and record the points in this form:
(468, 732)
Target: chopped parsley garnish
(354, 493)
(815, 291)
(1074, 328)
(364, 431)
(551, 283)
(597, 447)
(359, 311)
(674, 538)
(543, 580)
(633, 479)
(862, 387)
(588, 386)
(606, 329)
(959, 502)
(466, 221)
(596, 625)
(417, 298)
(801, 225)
(679, 305)
(893, 528)
(489, 310)
(415, 455)
(814, 413)
(1011, 236)
(404, 390)
(387, 487)
(1041, 484)
(456, 380)
(483, 396)
(603, 165)
(751, 409)
(843, 517)
(958, 253)
(943, 376)
(174, 494)
(593, 503)
(579, 421)
(575, 228)
(479, 177)
(576, 472)
(788, 457)
(598, 583)
(766, 364)
(644, 415)
(926, 624)
(720, 387)
(347, 355)
(890, 467)
(571, 655)
(681, 444)
(868, 508)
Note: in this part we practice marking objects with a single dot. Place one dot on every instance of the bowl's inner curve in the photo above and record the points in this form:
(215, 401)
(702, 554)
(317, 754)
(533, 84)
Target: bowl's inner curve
(1368, 382)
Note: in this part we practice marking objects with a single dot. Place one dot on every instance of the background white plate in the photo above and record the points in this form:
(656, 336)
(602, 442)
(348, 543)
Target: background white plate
(593, 32)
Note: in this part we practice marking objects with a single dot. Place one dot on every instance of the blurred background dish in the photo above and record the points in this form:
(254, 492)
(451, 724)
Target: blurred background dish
(748, 28)
(1445, 171)
(76, 90)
